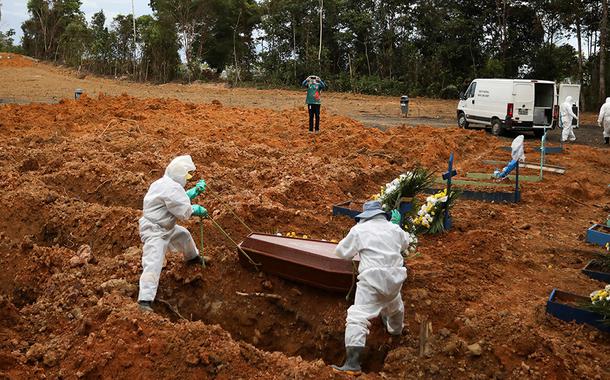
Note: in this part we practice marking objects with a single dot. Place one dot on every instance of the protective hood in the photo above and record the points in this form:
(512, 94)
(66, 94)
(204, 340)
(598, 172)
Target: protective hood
(569, 99)
(517, 148)
(179, 168)
(607, 100)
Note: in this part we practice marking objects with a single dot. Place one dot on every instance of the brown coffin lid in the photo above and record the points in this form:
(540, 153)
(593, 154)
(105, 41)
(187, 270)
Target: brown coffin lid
(309, 261)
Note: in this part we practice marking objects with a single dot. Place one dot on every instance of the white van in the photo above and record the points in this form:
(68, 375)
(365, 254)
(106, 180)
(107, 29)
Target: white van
(509, 104)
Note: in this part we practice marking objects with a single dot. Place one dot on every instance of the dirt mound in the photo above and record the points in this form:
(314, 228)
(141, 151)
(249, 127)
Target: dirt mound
(15, 60)
(73, 176)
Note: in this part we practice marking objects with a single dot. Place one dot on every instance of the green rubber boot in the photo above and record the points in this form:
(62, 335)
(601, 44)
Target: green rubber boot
(352, 361)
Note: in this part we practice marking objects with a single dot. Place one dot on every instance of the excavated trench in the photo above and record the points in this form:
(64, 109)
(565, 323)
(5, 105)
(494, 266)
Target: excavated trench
(86, 188)
(298, 321)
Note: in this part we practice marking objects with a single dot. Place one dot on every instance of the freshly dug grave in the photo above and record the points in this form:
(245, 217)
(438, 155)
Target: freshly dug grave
(75, 173)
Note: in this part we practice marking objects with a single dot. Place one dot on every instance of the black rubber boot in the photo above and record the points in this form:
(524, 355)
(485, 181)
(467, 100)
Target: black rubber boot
(607, 140)
(352, 361)
(145, 306)
(195, 260)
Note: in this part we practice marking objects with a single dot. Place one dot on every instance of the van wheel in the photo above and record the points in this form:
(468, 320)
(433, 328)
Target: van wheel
(462, 122)
(496, 128)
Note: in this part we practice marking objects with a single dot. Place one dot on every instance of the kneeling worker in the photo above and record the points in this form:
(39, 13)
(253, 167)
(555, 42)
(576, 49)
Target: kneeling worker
(165, 202)
(380, 244)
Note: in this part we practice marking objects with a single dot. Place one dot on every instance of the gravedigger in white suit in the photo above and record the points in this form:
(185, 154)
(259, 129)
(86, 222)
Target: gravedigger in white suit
(166, 202)
(380, 244)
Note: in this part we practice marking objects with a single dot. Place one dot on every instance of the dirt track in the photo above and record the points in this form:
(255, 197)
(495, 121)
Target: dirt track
(75, 173)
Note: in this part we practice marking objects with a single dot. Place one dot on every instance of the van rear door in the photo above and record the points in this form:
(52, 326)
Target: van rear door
(572, 90)
(523, 97)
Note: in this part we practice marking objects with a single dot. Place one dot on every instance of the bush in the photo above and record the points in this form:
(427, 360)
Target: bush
(450, 92)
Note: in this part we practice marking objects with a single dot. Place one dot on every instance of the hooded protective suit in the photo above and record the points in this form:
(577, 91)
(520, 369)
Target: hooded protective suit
(517, 154)
(567, 115)
(165, 202)
(604, 118)
(381, 274)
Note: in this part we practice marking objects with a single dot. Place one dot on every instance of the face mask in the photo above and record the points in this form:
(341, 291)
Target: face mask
(188, 176)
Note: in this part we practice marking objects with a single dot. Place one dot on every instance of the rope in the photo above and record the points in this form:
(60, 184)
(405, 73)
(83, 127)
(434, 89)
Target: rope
(213, 193)
(354, 270)
(201, 241)
(236, 245)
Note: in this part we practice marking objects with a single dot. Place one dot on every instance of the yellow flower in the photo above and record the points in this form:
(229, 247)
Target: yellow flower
(599, 295)
(305, 237)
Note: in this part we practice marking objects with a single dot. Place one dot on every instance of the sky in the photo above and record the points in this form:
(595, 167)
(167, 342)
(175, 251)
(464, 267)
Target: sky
(14, 12)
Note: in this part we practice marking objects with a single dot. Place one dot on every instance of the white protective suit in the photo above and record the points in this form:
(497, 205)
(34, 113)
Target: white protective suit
(567, 115)
(517, 148)
(165, 202)
(381, 274)
(604, 118)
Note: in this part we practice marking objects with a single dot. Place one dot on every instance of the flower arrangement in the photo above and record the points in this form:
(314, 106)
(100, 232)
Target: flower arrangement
(406, 185)
(431, 216)
(410, 229)
(293, 234)
(600, 303)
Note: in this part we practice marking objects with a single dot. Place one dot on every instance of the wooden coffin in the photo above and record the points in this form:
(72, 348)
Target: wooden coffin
(311, 262)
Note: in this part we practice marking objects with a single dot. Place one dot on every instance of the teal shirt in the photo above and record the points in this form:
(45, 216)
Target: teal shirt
(314, 92)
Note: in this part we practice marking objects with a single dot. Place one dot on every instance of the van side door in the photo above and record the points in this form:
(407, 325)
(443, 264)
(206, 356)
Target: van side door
(523, 98)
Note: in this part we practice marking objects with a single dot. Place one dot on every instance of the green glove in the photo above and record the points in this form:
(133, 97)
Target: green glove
(201, 186)
(199, 211)
(198, 189)
(395, 217)
(192, 193)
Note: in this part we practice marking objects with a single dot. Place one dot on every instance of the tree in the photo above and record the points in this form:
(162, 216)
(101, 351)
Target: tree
(602, 50)
(7, 41)
(49, 19)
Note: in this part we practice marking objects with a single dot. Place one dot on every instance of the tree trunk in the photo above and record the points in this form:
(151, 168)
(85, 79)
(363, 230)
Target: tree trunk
(366, 53)
(474, 63)
(320, 49)
(602, 51)
(294, 48)
(580, 59)
(237, 77)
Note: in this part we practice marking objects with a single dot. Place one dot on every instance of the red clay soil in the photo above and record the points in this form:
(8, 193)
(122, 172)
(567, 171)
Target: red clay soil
(15, 60)
(75, 173)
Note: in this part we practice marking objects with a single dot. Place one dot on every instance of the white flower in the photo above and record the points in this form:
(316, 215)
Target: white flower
(594, 293)
(443, 199)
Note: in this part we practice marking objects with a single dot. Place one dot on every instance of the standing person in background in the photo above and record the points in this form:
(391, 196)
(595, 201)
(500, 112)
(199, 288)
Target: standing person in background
(604, 120)
(314, 86)
(567, 115)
